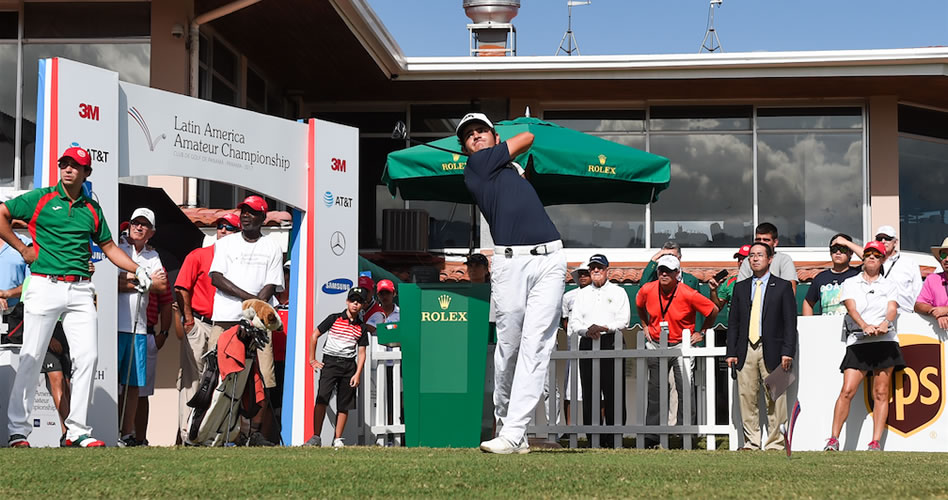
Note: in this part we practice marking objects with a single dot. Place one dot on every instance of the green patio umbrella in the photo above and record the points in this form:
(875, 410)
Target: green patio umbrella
(563, 165)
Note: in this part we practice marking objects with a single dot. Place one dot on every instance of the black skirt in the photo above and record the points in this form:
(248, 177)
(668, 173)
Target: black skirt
(873, 357)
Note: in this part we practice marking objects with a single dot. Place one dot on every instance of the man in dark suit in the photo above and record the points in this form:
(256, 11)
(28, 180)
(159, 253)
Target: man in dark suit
(761, 338)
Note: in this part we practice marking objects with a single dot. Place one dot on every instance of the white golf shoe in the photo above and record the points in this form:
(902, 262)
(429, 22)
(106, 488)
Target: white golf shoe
(503, 446)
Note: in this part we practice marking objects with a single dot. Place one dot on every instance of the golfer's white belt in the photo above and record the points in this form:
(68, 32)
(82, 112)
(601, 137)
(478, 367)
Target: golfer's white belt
(541, 249)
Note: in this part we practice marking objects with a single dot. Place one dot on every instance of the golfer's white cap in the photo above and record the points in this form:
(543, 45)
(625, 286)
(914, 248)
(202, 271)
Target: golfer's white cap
(473, 117)
(669, 261)
(147, 214)
(886, 230)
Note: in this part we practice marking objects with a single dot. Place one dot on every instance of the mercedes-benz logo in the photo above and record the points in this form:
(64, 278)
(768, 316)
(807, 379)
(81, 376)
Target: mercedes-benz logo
(337, 243)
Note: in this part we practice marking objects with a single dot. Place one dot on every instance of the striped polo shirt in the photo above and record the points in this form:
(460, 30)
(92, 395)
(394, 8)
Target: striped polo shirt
(343, 335)
(61, 229)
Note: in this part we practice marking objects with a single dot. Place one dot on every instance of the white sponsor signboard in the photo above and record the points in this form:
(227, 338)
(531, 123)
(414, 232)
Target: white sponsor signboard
(336, 236)
(916, 405)
(164, 133)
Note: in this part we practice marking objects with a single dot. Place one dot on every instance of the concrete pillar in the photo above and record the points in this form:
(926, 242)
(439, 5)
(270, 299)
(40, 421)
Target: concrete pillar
(883, 136)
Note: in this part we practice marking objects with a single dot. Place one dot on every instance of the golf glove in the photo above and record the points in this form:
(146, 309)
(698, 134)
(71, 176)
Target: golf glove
(144, 280)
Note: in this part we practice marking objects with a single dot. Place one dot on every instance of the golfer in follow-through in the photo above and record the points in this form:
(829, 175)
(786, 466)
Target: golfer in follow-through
(527, 276)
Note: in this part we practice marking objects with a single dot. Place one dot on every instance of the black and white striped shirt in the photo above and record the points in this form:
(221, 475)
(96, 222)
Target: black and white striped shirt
(344, 336)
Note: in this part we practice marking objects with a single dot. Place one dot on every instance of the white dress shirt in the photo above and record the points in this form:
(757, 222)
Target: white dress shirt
(606, 306)
(903, 272)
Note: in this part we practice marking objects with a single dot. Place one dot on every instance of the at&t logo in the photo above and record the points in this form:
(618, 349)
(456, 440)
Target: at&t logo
(340, 201)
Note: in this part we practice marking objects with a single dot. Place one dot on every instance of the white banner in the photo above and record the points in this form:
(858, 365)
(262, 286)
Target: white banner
(336, 237)
(917, 401)
(163, 133)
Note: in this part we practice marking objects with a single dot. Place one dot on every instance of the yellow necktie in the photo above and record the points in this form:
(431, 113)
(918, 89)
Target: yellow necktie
(753, 332)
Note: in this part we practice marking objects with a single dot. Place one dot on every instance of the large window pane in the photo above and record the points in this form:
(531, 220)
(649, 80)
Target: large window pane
(693, 118)
(923, 207)
(449, 224)
(710, 200)
(130, 60)
(607, 225)
(599, 121)
(86, 19)
(7, 112)
(439, 118)
(921, 121)
(807, 118)
(810, 186)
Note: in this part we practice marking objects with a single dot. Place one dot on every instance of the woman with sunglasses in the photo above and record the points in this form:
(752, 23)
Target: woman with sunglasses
(933, 299)
(871, 343)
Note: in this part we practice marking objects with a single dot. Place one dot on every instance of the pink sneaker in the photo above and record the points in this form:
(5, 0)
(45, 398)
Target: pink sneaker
(832, 444)
(875, 446)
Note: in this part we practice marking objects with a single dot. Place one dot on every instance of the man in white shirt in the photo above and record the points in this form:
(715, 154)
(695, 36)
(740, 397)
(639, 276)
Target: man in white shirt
(247, 266)
(133, 338)
(600, 312)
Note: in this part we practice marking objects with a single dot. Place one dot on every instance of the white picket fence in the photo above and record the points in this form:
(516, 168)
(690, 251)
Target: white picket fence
(380, 429)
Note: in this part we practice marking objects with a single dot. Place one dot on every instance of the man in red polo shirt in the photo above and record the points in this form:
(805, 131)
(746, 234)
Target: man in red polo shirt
(670, 305)
(194, 293)
(61, 219)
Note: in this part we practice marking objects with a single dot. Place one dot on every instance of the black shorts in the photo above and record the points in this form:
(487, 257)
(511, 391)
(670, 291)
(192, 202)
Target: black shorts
(872, 357)
(60, 362)
(335, 376)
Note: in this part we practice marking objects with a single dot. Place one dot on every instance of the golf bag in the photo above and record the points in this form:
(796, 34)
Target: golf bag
(224, 394)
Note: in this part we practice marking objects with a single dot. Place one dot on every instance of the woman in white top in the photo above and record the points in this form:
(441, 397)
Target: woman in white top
(871, 343)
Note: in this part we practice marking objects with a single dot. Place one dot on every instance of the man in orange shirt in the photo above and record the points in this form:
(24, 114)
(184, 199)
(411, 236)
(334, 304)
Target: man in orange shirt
(669, 307)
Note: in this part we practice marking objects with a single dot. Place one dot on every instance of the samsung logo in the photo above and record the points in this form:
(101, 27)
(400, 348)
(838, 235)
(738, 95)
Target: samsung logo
(338, 285)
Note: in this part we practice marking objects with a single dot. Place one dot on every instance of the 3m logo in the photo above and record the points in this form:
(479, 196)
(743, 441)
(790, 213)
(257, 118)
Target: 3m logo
(88, 112)
(338, 165)
(917, 397)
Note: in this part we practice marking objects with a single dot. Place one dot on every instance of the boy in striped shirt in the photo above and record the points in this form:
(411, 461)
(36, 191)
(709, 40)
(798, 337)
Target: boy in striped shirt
(343, 360)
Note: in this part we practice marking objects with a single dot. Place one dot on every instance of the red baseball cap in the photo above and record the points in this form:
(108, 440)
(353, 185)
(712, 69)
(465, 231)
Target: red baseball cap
(255, 203)
(386, 286)
(876, 246)
(744, 251)
(80, 155)
(230, 218)
(367, 283)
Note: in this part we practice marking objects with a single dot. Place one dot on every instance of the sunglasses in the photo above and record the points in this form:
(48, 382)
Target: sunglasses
(227, 227)
(139, 223)
(356, 300)
(943, 254)
(871, 253)
(840, 249)
(883, 237)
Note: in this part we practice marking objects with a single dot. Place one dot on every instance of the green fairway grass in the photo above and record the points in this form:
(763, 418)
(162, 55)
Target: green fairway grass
(421, 472)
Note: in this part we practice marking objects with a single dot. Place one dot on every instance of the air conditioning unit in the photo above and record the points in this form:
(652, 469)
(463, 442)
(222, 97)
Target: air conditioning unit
(405, 230)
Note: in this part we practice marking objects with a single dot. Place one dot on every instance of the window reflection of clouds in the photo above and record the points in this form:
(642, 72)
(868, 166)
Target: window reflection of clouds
(923, 175)
(710, 199)
(810, 185)
(606, 225)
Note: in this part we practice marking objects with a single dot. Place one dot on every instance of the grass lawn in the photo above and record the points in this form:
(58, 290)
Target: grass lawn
(422, 472)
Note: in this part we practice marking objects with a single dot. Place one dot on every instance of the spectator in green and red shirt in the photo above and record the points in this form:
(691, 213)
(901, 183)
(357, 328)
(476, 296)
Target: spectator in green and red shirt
(61, 221)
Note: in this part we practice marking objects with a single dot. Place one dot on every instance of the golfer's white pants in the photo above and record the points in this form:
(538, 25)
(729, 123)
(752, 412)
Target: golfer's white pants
(44, 303)
(528, 293)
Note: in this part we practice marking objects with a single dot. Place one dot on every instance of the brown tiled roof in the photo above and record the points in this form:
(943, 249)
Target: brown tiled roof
(207, 217)
(631, 272)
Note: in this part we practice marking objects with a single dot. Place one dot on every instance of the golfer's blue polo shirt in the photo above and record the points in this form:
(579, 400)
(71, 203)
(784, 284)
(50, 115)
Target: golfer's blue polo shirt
(508, 202)
(13, 269)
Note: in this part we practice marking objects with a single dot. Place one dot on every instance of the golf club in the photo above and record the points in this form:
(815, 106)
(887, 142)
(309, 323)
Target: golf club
(400, 132)
(128, 372)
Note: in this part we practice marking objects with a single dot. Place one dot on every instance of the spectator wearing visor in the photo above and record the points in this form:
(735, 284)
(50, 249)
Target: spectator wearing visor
(342, 364)
(872, 344)
(933, 299)
(826, 287)
(194, 293)
(600, 312)
(670, 307)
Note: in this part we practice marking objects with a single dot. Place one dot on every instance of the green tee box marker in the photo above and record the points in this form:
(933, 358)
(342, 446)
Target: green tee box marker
(443, 336)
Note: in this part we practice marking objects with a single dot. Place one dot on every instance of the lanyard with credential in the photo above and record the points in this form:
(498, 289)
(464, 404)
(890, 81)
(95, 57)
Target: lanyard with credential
(664, 309)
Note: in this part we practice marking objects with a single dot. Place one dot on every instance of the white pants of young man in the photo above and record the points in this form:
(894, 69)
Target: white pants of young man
(44, 303)
(528, 293)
